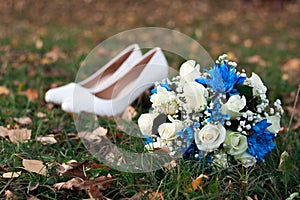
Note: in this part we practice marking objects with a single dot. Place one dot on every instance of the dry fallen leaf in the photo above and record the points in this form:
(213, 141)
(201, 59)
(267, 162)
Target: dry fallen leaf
(291, 71)
(95, 135)
(38, 43)
(32, 94)
(69, 185)
(47, 139)
(256, 59)
(9, 195)
(31, 197)
(248, 43)
(36, 166)
(94, 192)
(41, 115)
(11, 174)
(103, 182)
(19, 135)
(197, 183)
(93, 187)
(53, 55)
(23, 120)
(72, 168)
(129, 113)
(3, 132)
(156, 196)
(98, 140)
(4, 91)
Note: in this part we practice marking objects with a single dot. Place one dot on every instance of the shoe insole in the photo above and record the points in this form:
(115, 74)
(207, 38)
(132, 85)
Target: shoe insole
(104, 75)
(127, 83)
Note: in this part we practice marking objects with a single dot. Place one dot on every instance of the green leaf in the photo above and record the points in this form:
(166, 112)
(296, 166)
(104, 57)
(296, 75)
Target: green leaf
(245, 90)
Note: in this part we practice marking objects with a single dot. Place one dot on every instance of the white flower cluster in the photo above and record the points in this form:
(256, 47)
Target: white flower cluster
(219, 128)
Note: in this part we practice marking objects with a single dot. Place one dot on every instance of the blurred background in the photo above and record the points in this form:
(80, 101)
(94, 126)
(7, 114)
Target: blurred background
(53, 37)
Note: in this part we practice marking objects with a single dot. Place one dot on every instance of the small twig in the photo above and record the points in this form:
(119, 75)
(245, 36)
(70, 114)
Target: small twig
(294, 108)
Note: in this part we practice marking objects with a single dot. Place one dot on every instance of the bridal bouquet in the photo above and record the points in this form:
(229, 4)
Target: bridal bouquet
(217, 116)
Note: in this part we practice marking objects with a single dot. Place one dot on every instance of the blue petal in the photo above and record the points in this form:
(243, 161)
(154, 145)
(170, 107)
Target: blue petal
(154, 91)
(240, 80)
(201, 81)
(165, 85)
(148, 140)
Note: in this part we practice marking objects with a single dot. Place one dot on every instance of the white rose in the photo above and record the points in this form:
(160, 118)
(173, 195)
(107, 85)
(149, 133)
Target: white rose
(164, 101)
(195, 94)
(210, 137)
(246, 159)
(167, 131)
(189, 70)
(145, 123)
(233, 106)
(257, 84)
(235, 143)
(275, 121)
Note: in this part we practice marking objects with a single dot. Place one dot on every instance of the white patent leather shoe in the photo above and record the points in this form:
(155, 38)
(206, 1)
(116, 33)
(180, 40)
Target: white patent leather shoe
(101, 79)
(114, 99)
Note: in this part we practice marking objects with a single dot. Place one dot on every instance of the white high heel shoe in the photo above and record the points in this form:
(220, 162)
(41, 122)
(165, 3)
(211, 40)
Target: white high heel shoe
(101, 79)
(114, 100)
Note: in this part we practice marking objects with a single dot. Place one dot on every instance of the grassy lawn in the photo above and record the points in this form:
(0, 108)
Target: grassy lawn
(43, 43)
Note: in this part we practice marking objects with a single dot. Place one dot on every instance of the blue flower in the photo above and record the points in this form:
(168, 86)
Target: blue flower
(260, 143)
(222, 79)
(164, 85)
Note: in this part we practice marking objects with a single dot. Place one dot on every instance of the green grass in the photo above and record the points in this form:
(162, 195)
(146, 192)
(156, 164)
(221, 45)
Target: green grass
(264, 181)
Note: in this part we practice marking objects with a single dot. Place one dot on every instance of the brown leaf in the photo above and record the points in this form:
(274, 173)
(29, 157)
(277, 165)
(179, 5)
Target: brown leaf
(32, 94)
(98, 140)
(9, 195)
(4, 91)
(3, 132)
(41, 115)
(102, 183)
(95, 135)
(23, 120)
(69, 185)
(38, 43)
(197, 183)
(53, 55)
(31, 197)
(156, 196)
(47, 139)
(129, 113)
(19, 135)
(248, 43)
(256, 59)
(95, 193)
(72, 168)
(36, 166)
(11, 174)
(248, 198)
(291, 71)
